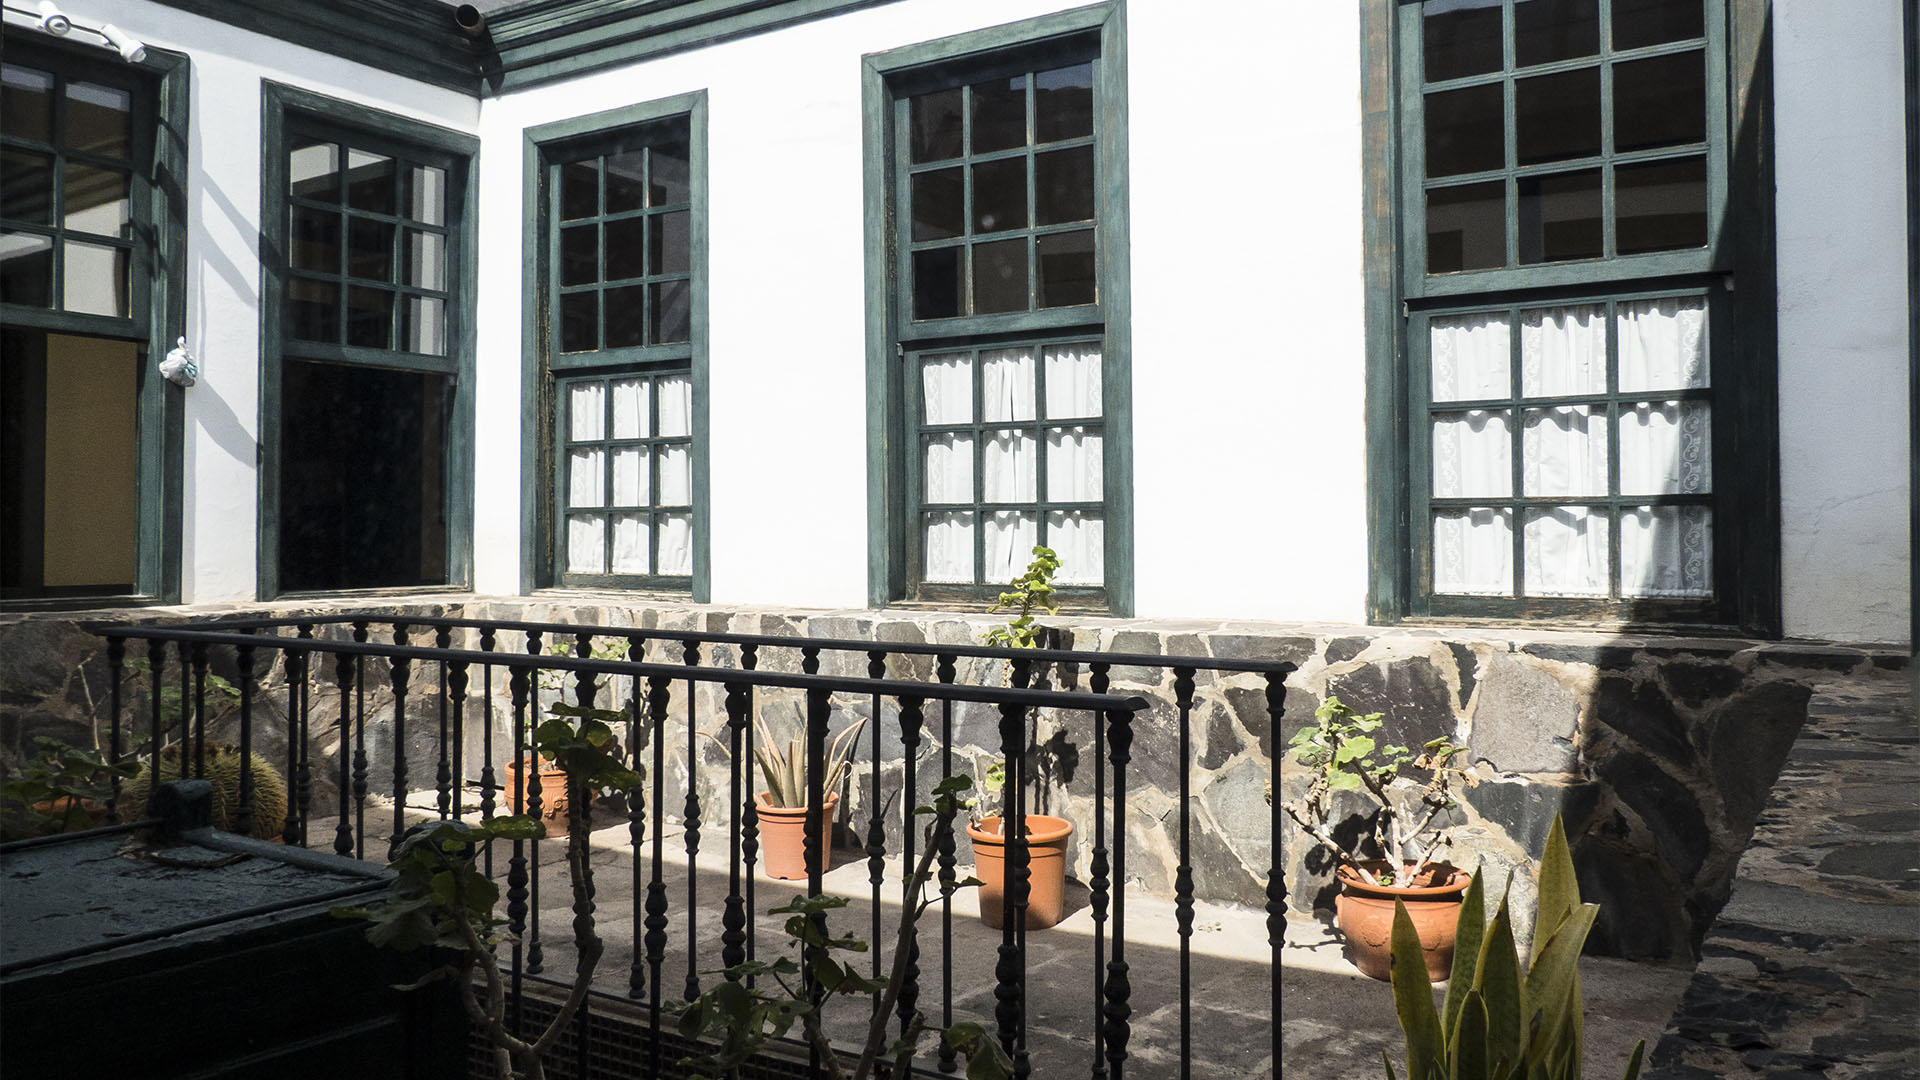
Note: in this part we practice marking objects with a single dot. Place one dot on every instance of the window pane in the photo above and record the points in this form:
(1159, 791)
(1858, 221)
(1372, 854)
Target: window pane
(1010, 538)
(631, 485)
(1074, 465)
(947, 552)
(1666, 448)
(1660, 101)
(670, 303)
(625, 312)
(1557, 117)
(676, 476)
(26, 103)
(1006, 386)
(667, 178)
(26, 269)
(939, 205)
(935, 126)
(1471, 357)
(313, 310)
(1566, 551)
(1466, 228)
(936, 283)
(1650, 22)
(426, 196)
(1010, 467)
(579, 189)
(426, 265)
(587, 543)
(1472, 455)
(97, 201)
(1465, 131)
(1473, 552)
(1000, 195)
(423, 325)
(1079, 537)
(1460, 38)
(370, 318)
(579, 322)
(626, 249)
(580, 255)
(586, 411)
(97, 279)
(630, 540)
(99, 119)
(586, 477)
(669, 243)
(1560, 217)
(1063, 103)
(1663, 344)
(313, 171)
(1549, 30)
(1000, 277)
(673, 538)
(370, 179)
(1067, 274)
(369, 249)
(999, 114)
(1660, 205)
(26, 186)
(1563, 350)
(1564, 452)
(946, 380)
(675, 394)
(314, 240)
(1073, 381)
(1063, 186)
(632, 412)
(1666, 551)
(948, 460)
(626, 187)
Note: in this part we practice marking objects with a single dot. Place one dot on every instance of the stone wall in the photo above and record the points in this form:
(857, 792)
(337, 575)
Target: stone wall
(1658, 751)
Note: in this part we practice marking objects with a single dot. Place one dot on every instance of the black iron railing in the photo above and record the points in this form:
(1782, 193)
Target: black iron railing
(474, 661)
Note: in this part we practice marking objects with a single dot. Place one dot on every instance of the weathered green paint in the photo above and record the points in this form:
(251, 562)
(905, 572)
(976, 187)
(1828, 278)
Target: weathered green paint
(405, 37)
(1913, 332)
(1387, 499)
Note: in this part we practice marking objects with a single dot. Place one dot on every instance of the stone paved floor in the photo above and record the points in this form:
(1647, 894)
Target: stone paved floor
(1813, 968)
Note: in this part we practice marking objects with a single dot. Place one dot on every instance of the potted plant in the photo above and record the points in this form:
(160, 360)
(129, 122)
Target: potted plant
(1408, 832)
(223, 762)
(783, 805)
(1047, 838)
(553, 779)
(62, 789)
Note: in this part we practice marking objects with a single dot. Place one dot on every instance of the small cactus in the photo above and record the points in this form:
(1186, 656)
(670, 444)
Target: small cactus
(223, 772)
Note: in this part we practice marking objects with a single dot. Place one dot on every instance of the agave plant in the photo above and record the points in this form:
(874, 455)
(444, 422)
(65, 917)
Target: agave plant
(783, 762)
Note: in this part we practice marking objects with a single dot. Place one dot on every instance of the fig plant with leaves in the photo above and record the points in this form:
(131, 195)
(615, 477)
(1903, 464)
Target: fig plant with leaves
(1031, 591)
(1408, 828)
(52, 790)
(741, 1019)
(1499, 1022)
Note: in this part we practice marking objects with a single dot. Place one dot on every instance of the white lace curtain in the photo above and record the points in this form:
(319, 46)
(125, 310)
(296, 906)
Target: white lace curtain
(1663, 447)
(632, 484)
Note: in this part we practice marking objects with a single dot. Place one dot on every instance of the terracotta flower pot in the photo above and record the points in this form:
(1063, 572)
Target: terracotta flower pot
(783, 831)
(1046, 865)
(1433, 903)
(553, 794)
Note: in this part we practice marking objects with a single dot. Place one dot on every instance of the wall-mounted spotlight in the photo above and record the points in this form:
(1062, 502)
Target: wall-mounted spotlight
(130, 48)
(470, 20)
(49, 19)
(52, 20)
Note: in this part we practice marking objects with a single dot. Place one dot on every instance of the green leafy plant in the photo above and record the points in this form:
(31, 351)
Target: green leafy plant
(56, 788)
(1497, 1022)
(982, 806)
(1031, 591)
(743, 1019)
(1341, 750)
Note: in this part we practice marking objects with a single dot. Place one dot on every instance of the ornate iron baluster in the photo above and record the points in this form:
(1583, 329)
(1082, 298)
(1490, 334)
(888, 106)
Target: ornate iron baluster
(948, 1059)
(401, 676)
(1276, 877)
(303, 782)
(456, 694)
(690, 656)
(1118, 990)
(1183, 874)
(876, 828)
(517, 679)
(156, 667)
(750, 812)
(243, 821)
(733, 935)
(530, 783)
(296, 737)
(343, 669)
(1097, 682)
(182, 654)
(443, 769)
(199, 715)
(659, 692)
(489, 780)
(116, 662)
(360, 745)
(636, 825)
(1007, 973)
(819, 708)
(911, 721)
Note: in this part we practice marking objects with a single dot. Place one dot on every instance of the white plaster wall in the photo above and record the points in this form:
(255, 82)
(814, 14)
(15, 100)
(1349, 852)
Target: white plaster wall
(221, 491)
(1844, 477)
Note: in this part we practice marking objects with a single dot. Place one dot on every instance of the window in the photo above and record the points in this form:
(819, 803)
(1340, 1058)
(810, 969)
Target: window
(618, 348)
(1574, 390)
(91, 237)
(998, 353)
(367, 409)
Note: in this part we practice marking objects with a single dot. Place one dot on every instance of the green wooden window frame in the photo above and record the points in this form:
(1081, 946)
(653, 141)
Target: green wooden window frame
(647, 256)
(1462, 112)
(1087, 307)
(406, 340)
(152, 243)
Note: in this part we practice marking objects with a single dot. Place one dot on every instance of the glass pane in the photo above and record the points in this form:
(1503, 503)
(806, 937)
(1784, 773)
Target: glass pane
(1471, 357)
(631, 486)
(97, 279)
(1079, 537)
(426, 195)
(1563, 350)
(676, 476)
(1010, 538)
(936, 283)
(426, 264)
(630, 537)
(669, 244)
(632, 412)
(949, 468)
(26, 103)
(1473, 552)
(673, 540)
(626, 249)
(313, 310)
(935, 127)
(1073, 381)
(1074, 465)
(946, 382)
(675, 393)
(1460, 38)
(671, 305)
(1564, 452)
(580, 255)
(947, 552)
(1663, 344)
(1560, 217)
(26, 186)
(586, 411)
(1000, 195)
(1549, 30)
(1472, 455)
(939, 204)
(586, 477)
(423, 325)
(1466, 228)
(580, 322)
(370, 318)
(99, 119)
(1566, 551)
(1063, 186)
(1000, 277)
(1660, 205)
(1006, 386)
(587, 544)
(313, 171)
(1660, 101)
(1666, 551)
(999, 114)
(1466, 131)
(667, 175)
(363, 502)
(369, 249)
(626, 186)
(1650, 22)
(1063, 103)
(579, 189)
(97, 200)
(624, 313)
(1067, 274)
(313, 240)
(26, 269)
(370, 179)
(1010, 464)
(1557, 117)
(1666, 448)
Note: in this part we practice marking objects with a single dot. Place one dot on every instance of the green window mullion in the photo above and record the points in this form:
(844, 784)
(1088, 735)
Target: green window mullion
(1607, 148)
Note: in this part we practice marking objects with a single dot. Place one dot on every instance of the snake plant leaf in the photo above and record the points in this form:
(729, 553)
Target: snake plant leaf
(1388, 1062)
(1413, 997)
(1468, 931)
(1559, 889)
(1633, 1063)
(1553, 983)
(1497, 977)
(1471, 1058)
